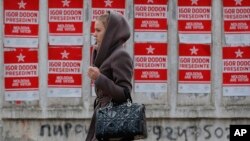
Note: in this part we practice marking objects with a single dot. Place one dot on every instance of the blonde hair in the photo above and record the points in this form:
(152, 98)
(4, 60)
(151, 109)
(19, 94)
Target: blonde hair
(104, 19)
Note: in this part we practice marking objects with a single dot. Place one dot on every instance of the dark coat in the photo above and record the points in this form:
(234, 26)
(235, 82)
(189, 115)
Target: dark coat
(115, 65)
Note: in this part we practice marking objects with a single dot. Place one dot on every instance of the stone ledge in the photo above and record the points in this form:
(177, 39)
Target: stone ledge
(81, 113)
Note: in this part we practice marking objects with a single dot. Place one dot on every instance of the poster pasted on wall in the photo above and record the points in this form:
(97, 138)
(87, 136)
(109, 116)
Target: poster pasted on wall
(150, 64)
(236, 71)
(194, 68)
(65, 71)
(194, 21)
(21, 19)
(65, 22)
(150, 23)
(236, 15)
(21, 74)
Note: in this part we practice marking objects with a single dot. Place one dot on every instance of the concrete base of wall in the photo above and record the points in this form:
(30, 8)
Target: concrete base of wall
(158, 130)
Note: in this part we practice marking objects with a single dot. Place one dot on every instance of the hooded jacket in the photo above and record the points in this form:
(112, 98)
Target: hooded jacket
(115, 65)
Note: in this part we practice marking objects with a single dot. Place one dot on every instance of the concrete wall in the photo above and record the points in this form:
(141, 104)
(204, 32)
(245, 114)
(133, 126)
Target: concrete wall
(171, 116)
(158, 129)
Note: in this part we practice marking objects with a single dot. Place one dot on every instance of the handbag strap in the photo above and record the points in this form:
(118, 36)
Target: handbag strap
(127, 94)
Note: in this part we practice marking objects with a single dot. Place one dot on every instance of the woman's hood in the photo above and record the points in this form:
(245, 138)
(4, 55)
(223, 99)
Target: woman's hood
(117, 33)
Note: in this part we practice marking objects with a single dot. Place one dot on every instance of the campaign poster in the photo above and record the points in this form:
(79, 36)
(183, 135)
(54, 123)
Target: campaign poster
(150, 67)
(65, 22)
(194, 68)
(21, 20)
(65, 71)
(236, 71)
(236, 15)
(150, 23)
(194, 21)
(99, 7)
(21, 74)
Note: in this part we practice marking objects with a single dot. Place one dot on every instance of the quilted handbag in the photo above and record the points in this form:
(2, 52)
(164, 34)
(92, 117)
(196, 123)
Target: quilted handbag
(121, 121)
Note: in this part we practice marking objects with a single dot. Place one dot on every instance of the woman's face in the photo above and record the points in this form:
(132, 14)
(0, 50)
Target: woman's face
(99, 32)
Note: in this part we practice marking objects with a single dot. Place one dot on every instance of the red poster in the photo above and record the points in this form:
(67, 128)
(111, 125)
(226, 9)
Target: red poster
(194, 21)
(150, 64)
(21, 74)
(194, 68)
(65, 22)
(236, 15)
(21, 19)
(65, 71)
(236, 71)
(150, 22)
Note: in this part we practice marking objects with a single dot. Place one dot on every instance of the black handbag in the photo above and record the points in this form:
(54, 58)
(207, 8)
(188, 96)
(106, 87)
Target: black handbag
(121, 121)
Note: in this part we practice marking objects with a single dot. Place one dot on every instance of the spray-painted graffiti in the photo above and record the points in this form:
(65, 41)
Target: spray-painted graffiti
(206, 132)
(155, 132)
(62, 130)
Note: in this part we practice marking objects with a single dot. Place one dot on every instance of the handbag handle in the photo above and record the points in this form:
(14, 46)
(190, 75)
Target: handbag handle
(127, 94)
(129, 103)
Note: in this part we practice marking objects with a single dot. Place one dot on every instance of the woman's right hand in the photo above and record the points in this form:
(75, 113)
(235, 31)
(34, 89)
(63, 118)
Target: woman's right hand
(93, 73)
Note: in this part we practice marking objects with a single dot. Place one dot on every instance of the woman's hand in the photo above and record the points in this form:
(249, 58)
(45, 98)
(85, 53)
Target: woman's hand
(93, 73)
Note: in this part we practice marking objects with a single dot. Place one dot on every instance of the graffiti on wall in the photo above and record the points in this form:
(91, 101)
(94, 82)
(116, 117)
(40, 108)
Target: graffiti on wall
(65, 129)
(156, 132)
(205, 132)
